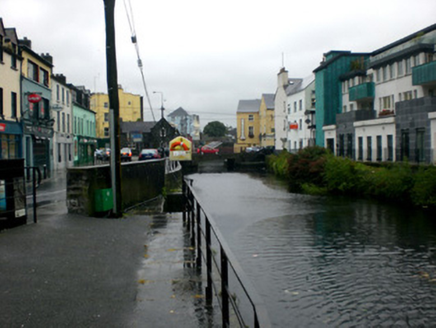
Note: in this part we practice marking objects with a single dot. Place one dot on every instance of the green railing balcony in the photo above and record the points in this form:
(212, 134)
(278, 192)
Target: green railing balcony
(361, 91)
(424, 74)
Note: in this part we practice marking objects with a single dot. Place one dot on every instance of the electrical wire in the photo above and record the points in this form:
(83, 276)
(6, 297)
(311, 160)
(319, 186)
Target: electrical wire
(135, 42)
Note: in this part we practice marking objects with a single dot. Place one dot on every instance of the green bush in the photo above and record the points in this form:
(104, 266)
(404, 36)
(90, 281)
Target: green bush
(423, 192)
(306, 166)
(340, 175)
(278, 164)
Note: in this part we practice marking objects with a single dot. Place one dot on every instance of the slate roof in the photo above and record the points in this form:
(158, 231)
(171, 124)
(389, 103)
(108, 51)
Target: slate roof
(178, 112)
(300, 85)
(141, 127)
(269, 100)
(248, 106)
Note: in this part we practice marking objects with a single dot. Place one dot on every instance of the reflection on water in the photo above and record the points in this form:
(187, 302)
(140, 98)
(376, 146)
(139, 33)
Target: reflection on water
(322, 262)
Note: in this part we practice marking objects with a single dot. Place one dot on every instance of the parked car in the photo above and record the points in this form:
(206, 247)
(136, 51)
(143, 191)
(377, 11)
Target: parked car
(207, 150)
(146, 154)
(254, 149)
(126, 154)
(102, 154)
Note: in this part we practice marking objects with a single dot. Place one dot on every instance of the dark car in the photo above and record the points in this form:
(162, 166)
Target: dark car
(126, 154)
(146, 154)
(102, 154)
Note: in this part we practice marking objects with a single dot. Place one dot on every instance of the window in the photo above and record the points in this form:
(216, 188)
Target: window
(349, 145)
(250, 118)
(63, 122)
(43, 74)
(251, 131)
(13, 104)
(1, 49)
(392, 71)
(32, 71)
(63, 95)
(1, 102)
(289, 108)
(360, 150)
(390, 147)
(295, 106)
(400, 68)
(341, 145)
(385, 102)
(301, 124)
(378, 75)
(407, 95)
(420, 145)
(408, 66)
(68, 97)
(379, 148)
(345, 109)
(416, 60)
(106, 105)
(385, 73)
(351, 107)
(59, 153)
(58, 121)
(57, 92)
(404, 144)
(106, 132)
(369, 148)
(68, 123)
(300, 104)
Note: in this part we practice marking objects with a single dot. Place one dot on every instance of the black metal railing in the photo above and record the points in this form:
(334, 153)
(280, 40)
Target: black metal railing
(33, 174)
(238, 300)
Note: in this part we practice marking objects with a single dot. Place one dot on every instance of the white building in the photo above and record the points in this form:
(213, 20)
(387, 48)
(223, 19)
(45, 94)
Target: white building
(61, 107)
(300, 109)
(389, 104)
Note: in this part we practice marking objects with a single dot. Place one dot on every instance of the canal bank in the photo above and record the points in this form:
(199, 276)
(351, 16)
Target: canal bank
(69, 270)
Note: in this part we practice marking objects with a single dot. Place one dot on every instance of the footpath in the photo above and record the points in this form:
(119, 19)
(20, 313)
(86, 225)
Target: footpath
(68, 270)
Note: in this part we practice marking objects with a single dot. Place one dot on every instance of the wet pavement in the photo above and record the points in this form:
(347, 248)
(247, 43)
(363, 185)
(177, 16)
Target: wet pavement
(68, 270)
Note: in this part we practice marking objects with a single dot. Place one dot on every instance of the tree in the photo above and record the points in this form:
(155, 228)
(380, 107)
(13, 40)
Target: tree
(215, 129)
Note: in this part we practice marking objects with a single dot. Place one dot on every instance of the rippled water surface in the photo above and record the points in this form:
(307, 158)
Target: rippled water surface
(326, 262)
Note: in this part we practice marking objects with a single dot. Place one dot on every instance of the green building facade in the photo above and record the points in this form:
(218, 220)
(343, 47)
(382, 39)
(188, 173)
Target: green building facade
(328, 87)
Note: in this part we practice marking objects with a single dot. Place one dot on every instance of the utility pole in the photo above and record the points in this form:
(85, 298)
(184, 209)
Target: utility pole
(114, 105)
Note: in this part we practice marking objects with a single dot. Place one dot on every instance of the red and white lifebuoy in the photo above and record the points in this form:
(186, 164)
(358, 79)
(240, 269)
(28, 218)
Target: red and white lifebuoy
(179, 143)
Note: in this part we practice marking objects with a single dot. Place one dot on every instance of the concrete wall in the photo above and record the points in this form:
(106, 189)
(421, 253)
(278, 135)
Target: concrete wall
(141, 181)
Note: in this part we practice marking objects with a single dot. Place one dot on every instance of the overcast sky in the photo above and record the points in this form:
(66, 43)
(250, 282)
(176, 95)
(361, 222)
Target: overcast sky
(207, 55)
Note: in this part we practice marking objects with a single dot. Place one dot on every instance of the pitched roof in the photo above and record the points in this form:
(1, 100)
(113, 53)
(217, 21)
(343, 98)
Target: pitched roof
(248, 106)
(300, 85)
(178, 112)
(269, 100)
(141, 127)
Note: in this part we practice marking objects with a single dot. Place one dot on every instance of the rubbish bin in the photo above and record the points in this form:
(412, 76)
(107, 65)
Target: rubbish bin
(12, 193)
(103, 200)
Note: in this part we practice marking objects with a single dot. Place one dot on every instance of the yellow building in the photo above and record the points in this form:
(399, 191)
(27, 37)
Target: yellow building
(248, 131)
(131, 110)
(266, 120)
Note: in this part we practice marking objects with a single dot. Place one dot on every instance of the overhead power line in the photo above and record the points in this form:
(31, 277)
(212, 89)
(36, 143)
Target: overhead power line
(129, 13)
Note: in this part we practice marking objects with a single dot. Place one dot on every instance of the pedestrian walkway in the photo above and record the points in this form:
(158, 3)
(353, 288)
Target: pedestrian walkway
(74, 271)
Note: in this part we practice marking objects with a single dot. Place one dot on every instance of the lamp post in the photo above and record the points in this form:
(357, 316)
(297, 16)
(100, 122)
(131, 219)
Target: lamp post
(161, 102)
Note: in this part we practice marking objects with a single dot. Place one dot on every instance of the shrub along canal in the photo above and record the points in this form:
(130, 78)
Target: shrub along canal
(326, 261)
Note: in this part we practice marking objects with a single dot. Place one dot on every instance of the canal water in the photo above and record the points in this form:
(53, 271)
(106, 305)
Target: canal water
(323, 261)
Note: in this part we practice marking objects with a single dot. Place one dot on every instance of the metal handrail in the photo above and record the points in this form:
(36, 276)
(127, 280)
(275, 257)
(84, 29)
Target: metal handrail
(193, 216)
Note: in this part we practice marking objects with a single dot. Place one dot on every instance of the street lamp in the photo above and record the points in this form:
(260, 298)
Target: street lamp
(162, 101)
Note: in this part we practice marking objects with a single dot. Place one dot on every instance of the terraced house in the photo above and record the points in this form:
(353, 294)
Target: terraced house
(10, 101)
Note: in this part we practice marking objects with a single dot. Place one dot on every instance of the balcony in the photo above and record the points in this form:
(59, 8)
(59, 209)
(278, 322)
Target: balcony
(424, 74)
(361, 92)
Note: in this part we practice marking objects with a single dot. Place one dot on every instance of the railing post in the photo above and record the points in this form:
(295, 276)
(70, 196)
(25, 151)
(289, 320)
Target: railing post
(209, 263)
(224, 289)
(192, 219)
(198, 260)
(185, 205)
